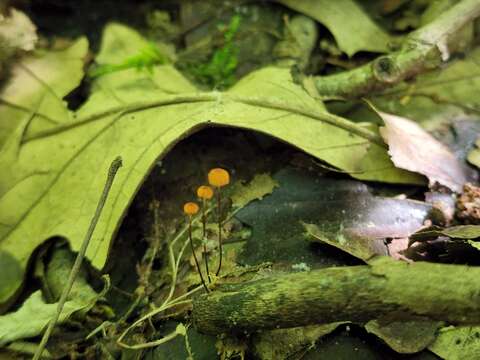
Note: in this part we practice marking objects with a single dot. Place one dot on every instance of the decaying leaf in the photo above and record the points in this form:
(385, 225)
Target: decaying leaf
(352, 28)
(283, 343)
(25, 348)
(341, 213)
(257, 188)
(414, 149)
(33, 316)
(474, 155)
(475, 244)
(457, 244)
(467, 232)
(361, 248)
(201, 345)
(55, 180)
(405, 337)
(462, 232)
(457, 343)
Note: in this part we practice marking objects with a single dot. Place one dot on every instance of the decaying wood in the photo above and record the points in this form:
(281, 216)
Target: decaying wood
(384, 288)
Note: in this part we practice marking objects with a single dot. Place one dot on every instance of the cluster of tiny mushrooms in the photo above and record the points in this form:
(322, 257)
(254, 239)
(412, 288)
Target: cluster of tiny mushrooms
(217, 178)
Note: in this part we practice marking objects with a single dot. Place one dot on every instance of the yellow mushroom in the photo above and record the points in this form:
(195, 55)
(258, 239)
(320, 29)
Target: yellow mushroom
(190, 209)
(218, 177)
(205, 192)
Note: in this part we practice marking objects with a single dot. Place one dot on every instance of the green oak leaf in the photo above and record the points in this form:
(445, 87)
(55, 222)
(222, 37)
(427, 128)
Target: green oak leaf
(37, 84)
(350, 25)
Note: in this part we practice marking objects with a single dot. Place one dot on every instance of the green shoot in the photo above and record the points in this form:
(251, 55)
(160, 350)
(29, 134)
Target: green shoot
(219, 72)
(147, 58)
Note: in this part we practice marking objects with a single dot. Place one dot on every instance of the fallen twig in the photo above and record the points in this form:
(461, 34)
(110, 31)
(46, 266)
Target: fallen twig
(423, 50)
(384, 288)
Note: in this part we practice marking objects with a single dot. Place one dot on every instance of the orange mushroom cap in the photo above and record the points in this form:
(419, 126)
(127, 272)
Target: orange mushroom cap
(218, 177)
(205, 192)
(190, 208)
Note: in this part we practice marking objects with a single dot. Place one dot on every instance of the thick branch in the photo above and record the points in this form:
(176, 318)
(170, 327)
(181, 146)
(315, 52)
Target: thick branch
(386, 287)
(422, 51)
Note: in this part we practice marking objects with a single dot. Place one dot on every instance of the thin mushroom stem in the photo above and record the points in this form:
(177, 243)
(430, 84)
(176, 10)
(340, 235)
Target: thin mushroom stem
(195, 256)
(205, 254)
(219, 208)
(219, 177)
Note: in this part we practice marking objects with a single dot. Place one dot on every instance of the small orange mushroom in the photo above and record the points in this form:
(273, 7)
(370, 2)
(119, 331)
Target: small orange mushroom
(218, 177)
(190, 208)
(205, 192)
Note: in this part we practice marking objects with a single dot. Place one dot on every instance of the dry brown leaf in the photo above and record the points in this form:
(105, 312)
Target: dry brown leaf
(18, 31)
(412, 148)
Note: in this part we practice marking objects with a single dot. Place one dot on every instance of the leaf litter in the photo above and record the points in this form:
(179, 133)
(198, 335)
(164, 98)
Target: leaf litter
(113, 122)
(118, 89)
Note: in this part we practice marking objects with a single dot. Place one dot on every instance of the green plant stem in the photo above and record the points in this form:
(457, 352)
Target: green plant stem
(195, 256)
(168, 303)
(155, 343)
(112, 171)
(423, 50)
(219, 209)
(149, 316)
